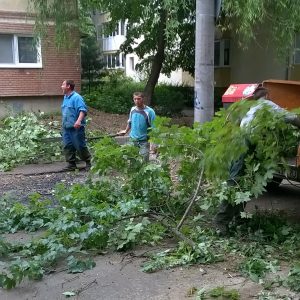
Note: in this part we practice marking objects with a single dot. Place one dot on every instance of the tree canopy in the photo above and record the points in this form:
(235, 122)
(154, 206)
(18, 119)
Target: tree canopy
(162, 33)
(245, 18)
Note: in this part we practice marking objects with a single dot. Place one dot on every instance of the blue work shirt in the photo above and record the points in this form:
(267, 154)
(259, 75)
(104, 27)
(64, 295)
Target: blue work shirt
(72, 105)
(140, 121)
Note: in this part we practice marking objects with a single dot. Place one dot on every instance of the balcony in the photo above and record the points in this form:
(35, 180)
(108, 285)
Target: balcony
(112, 43)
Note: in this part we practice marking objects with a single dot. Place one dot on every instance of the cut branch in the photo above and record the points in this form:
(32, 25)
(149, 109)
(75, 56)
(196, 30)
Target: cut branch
(192, 201)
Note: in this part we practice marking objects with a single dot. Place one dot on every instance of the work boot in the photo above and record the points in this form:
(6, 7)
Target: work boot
(85, 154)
(70, 155)
(69, 167)
(221, 228)
(88, 165)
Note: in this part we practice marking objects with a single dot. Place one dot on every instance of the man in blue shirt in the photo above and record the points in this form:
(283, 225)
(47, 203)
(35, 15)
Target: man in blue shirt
(74, 111)
(140, 121)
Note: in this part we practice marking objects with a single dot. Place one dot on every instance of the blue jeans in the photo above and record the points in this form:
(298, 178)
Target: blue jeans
(228, 211)
(74, 141)
(144, 148)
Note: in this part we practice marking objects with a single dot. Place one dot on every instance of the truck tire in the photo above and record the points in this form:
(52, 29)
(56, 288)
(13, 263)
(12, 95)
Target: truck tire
(274, 184)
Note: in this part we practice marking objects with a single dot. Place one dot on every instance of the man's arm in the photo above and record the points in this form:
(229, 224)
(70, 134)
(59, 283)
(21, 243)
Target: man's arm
(123, 132)
(79, 120)
(292, 119)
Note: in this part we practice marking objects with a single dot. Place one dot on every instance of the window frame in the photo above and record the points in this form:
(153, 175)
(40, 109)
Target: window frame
(110, 60)
(15, 48)
(296, 49)
(222, 43)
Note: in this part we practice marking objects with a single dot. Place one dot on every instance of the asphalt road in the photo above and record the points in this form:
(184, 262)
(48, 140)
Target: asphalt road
(285, 199)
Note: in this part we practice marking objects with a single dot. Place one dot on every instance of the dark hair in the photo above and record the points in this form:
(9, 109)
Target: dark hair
(71, 83)
(139, 94)
(260, 92)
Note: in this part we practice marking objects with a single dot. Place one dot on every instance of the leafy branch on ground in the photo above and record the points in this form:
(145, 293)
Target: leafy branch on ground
(21, 141)
(126, 203)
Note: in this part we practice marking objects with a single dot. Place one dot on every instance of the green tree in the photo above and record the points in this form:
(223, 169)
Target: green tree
(281, 18)
(165, 30)
(90, 58)
(167, 27)
(243, 18)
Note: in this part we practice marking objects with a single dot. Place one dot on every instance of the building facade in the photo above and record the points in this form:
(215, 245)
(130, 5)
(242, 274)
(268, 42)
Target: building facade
(233, 64)
(31, 71)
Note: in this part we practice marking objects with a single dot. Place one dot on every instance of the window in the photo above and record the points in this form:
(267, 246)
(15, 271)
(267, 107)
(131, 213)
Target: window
(106, 30)
(222, 53)
(131, 63)
(113, 61)
(18, 51)
(122, 28)
(99, 32)
(297, 50)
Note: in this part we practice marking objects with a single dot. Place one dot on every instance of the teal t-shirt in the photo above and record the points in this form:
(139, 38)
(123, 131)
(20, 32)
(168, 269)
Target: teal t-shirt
(140, 121)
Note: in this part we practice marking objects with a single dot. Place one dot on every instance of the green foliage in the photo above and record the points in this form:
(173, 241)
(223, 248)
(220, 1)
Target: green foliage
(18, 271)
(267, 295)
(114, 95)
(69, 17)
(280, 21)
(79, 266)
(21, 139)
(90, 61)
(293, 279)
(15, 216)
(148, 20)
(170, 100)
(216, 145)
(182, 255)
(89, 217)
(125, 237)
(126, 200)
(222, 293)
(256, 267)
(268, 226)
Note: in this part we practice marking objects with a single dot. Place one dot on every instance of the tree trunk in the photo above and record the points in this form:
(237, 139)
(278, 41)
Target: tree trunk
(204, 61)
(157, 61)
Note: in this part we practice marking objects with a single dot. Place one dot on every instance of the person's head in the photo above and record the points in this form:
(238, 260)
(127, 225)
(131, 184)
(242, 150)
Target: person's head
(260, 92)
(68, 86)
(138, 98)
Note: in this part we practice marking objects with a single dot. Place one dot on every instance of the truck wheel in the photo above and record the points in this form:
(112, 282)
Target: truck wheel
(273, 184)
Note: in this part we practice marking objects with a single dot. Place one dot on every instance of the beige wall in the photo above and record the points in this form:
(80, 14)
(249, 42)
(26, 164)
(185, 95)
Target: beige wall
(14, 5)
(222, 77)
(259, 62)
(15, 105)
(295, 72)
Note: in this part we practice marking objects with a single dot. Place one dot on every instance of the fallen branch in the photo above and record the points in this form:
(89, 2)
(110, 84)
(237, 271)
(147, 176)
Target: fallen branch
(86, 286)
(177, 233)
(192, 201)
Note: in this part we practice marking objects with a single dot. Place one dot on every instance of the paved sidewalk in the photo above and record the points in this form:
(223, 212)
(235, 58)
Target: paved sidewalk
(43, 168)
(52, 167)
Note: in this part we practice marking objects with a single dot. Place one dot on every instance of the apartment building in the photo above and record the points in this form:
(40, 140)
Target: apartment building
(31, 72)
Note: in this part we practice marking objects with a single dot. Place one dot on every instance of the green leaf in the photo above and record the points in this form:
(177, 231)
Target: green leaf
(69, 294)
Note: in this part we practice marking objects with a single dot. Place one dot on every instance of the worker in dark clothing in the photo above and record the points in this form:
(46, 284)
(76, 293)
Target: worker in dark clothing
(74, 112)
(227, 211)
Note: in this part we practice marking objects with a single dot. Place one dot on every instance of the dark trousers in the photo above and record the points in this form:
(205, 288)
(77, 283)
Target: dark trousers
(74, 141)
(227, 211)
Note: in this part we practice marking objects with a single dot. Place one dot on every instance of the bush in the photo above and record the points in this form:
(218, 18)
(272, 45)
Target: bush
(170, 100)
(114, 95)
